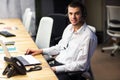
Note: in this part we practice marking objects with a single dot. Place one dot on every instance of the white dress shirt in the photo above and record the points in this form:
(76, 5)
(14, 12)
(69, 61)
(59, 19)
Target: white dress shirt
(74, 49)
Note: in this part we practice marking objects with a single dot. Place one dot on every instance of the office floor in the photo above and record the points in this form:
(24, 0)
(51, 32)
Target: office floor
(104, 66)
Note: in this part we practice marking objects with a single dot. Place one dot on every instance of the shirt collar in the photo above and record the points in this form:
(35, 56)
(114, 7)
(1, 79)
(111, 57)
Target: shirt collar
(81, 29)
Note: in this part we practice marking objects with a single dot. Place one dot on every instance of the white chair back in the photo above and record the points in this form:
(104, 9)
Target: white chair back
(25, 15)
(113, 20)
(28, 21)
(44, 32)
(113, 15)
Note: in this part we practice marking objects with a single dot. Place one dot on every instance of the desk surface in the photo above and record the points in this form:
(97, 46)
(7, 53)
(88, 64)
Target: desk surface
(23, 41)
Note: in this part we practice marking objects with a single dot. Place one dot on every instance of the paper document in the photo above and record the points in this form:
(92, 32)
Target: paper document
(11, 48)
(6, 41)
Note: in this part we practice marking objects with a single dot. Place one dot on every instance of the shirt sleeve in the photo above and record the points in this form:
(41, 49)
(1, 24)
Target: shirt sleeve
(52, 50)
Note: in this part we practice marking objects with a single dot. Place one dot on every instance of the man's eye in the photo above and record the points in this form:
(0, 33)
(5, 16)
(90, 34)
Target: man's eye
(77, 13)
(70, 13)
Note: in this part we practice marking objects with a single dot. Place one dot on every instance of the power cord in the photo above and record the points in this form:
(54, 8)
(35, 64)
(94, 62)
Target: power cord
(35, 68)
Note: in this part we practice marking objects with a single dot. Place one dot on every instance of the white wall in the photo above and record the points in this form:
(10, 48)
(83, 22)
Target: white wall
(15, 8)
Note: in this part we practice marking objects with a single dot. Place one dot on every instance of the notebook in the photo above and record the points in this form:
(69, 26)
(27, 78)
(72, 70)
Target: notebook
(27, 60)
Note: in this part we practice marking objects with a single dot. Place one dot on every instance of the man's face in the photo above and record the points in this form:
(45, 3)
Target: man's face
(75, 15)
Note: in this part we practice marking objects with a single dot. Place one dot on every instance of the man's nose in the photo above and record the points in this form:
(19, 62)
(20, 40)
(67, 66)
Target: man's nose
(73, 16)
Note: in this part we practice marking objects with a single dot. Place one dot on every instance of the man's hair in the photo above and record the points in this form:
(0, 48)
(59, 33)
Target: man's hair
(80, 5)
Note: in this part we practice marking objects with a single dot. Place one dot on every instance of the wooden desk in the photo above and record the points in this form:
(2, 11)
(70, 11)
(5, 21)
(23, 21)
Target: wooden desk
(23, 41)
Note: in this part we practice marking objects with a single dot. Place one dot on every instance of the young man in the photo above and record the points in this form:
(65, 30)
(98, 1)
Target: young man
(75, 48)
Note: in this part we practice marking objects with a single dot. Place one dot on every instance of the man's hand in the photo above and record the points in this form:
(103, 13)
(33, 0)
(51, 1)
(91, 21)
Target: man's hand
(53, 68)
(33, 51)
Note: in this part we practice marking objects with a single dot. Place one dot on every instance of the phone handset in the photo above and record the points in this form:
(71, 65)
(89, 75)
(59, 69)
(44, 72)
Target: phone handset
(14, 67)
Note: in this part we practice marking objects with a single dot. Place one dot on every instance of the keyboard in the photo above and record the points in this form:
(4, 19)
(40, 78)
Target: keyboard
(28, 60)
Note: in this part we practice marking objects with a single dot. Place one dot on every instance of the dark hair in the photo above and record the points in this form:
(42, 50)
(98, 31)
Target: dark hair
(80, 5)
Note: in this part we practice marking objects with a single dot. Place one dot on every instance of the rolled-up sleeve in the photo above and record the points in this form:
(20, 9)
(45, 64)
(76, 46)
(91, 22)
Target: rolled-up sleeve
(51, 51)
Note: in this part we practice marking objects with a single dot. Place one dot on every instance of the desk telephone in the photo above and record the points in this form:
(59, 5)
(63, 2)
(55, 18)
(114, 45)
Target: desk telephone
(14, 67)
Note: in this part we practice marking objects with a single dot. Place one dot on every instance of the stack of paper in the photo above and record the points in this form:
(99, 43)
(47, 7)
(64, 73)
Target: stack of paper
(10, 45)
(6, 41)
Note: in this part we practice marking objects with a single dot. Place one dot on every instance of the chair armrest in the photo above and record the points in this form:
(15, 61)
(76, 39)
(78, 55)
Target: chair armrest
(55, 40)
(48, 58)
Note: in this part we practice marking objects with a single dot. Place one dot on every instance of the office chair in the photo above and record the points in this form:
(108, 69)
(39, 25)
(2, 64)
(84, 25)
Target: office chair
(44, 32)
(33, 26)
(113, 28)
(28, 21)
(25, 15)
(59, 24)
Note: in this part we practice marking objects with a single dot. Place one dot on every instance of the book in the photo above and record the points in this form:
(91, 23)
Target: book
(6, 41)
(9, 44)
